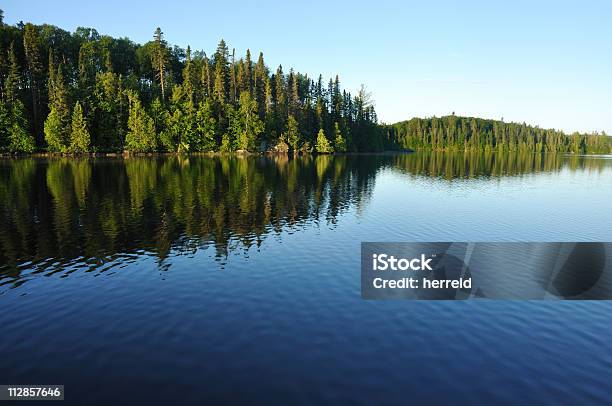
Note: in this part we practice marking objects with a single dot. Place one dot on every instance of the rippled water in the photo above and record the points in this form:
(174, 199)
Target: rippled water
(237, 279)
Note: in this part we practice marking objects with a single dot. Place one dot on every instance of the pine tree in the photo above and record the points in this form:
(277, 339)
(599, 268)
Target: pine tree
(339, 142)
(280, 100)
(108, 130)
(141, 129)
(205, 128)
(34, 72)
(57, 125)
(13, 79)
(5, 125)
(323, 146)
(159, 59)
(20, 138)
(293, 134)
(250, 126)
(79, 136)
(248, 67)
(189, 78)
(16, 137)
(259, 83)
(207, 85)
(221, 73)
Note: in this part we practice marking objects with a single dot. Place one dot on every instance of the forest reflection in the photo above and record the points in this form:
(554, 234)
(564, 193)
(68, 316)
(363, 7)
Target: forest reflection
(60, 211)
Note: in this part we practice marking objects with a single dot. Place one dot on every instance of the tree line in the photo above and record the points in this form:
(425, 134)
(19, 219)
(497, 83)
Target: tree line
(85, 92)
(456, 133)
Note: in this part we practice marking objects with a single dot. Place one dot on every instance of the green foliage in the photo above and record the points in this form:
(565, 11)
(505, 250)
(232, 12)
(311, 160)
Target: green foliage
(110, 115)
(13, 79)
(79, 135)
(205, 128)
(468, 133)
(226, 145)
(20, 139)
(246, 125)
(57, 125)
(339, 142)
(293, 134)
(323, 146)
(5, 124)
(159, 59)
(141, 128)
(222, 102)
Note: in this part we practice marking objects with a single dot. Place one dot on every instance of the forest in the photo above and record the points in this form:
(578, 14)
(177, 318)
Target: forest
(82, 92)
(86, 92)
(453, 133)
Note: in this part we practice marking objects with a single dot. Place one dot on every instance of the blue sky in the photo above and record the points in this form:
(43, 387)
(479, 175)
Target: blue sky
(547, 63)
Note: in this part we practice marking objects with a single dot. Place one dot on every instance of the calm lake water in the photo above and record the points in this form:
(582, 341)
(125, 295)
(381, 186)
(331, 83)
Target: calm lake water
(238, 279)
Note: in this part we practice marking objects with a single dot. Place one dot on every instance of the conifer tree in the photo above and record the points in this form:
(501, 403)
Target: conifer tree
(141, 129)
(205, 128)
(207, 81)
(20, 140)
(159, 59)
(248, 126)
(293, 134)
(57, 125)
(339, 142)
(79, 136)
(189, 81)
(34, 72)
(221, 73)
(13, 79)
(248, 67)
(16, 135)
(280, 99)
(260, 77)
(5, 124)
(323, 146)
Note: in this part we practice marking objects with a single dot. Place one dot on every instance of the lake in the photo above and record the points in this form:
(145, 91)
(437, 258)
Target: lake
(237, 279)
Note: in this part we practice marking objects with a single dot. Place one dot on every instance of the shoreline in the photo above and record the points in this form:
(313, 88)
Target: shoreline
(164, 154)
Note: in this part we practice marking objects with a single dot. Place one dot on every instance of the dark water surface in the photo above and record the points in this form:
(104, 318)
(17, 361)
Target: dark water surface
(238, 279)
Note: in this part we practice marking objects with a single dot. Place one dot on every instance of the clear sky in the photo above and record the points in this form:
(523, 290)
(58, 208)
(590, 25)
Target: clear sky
(547, 63)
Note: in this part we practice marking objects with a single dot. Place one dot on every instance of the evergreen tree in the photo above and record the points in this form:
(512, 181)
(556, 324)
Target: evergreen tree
(207, 81)
(259, 83)
(339, 142)
(248, 67)
(189, 78)
(323, 146)
(12, 83)
(205, 128)
(159, 59)
(34, 72)
(293, 134)
(109, 116)
(57, 125)
(221, 73)
(20, 140)
(5, 125)
(246, 124)
(141, 128)
(79, 135)
(14, 135)
(280, 100)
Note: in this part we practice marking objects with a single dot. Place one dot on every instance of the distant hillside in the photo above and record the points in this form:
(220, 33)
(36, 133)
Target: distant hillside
(459, 133)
